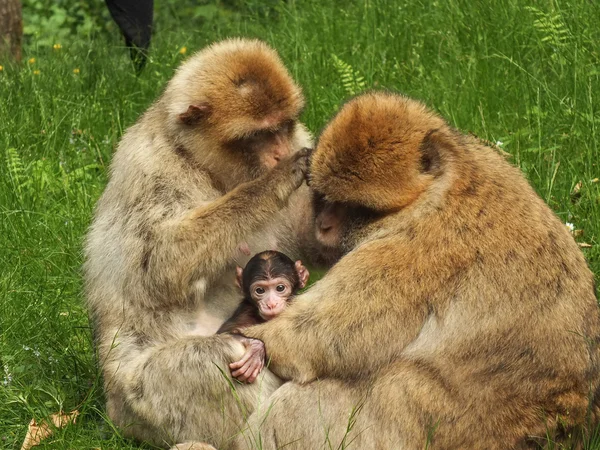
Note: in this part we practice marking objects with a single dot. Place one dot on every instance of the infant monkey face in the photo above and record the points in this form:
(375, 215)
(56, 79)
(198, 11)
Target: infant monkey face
(271, 296)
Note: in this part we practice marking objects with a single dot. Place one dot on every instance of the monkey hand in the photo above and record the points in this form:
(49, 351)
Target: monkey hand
(303, 274)
(253, 361)
(291, 173)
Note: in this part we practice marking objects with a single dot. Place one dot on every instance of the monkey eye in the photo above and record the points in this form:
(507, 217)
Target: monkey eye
(259, 290)
(288, 126)
(280, 288)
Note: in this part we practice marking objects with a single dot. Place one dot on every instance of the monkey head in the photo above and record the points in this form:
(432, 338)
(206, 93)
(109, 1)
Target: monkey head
(235, 107)
(376, 157)
(269, 280)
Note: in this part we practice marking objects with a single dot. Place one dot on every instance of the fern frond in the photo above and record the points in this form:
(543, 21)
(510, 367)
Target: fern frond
(352, 80)
(16, 170)
(551, 26)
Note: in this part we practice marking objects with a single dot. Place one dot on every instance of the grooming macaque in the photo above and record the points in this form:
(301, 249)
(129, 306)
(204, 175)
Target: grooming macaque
(460, 313)
(211, 172)
(268, 283)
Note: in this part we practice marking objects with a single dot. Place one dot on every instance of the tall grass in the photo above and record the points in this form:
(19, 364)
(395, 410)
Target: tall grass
(524, 76)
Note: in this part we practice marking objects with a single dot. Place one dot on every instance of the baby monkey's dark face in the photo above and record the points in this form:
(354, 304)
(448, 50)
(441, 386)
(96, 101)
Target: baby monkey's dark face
(270, 281)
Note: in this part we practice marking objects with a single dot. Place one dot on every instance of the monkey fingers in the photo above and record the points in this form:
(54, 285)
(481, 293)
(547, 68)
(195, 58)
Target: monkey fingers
(303, 158)
(249, 367)
(308, 152)
(295, 168)
(303, 273)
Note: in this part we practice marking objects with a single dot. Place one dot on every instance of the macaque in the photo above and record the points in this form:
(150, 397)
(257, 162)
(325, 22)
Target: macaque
(459, 313)
(212, 171)
(268, 283)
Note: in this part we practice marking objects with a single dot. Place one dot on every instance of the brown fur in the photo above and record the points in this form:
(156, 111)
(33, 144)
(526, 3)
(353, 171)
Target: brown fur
(162, 250)
(464, 315)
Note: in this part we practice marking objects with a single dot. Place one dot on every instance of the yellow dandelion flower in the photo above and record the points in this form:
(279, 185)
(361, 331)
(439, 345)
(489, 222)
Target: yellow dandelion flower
(183, 50)
(1, 68)
(76, 70)
(57, 46)
(36, 72)
(31, 60)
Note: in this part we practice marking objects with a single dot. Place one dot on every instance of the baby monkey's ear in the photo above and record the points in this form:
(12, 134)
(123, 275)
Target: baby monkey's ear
(303, 274)
(238, 276)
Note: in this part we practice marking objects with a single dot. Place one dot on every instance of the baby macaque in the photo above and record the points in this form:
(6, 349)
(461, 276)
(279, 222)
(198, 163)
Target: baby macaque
(268, 283)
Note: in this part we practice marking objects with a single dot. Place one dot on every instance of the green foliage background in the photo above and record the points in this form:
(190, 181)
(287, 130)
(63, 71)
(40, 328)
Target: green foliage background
(523, 74)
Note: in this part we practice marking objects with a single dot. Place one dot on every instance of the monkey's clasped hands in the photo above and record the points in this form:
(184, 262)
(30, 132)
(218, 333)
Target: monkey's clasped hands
(248, 368)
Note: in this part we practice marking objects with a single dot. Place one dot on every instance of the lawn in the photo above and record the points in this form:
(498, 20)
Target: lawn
(524, 77)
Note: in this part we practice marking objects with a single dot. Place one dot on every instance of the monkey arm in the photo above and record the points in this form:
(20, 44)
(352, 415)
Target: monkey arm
(244, 316)
(343, 326)
(179, 380)
(200, 244)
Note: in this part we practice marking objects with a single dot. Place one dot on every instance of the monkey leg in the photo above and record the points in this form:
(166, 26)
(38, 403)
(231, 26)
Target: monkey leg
(409, 405)
(182, 391)
(192, 446)
(322, 414)
(415, 404)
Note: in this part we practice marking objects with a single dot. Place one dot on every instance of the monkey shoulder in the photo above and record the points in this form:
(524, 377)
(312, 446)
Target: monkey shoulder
(156, 181)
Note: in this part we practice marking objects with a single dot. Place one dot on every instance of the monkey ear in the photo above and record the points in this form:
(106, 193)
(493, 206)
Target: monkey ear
(303, 274)
(431, 147)
(195, 113)
(238, 276)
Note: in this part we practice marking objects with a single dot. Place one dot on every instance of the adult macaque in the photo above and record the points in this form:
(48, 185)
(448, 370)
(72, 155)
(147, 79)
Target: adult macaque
(461, 315)
(207, 174)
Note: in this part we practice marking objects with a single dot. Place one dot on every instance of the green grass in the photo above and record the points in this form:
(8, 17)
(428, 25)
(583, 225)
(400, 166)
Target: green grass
(526, 76)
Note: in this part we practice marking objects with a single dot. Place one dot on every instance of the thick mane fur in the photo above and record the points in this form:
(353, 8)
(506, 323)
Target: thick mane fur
(237, 79)
(371, 153)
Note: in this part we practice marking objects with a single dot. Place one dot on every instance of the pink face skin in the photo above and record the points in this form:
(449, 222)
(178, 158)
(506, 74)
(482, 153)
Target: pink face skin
(271, 296)
(275, 148)
(329, 225)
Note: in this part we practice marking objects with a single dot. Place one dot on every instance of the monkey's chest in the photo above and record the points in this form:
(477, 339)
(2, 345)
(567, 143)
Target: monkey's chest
(214, 305)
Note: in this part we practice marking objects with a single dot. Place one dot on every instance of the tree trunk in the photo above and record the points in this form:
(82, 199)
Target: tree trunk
(11, 29)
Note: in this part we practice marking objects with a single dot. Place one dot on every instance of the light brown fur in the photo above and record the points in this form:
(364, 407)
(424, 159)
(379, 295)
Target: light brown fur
(462, 317)
(184, 193)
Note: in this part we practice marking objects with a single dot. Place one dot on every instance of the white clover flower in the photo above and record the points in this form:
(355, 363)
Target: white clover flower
(499, 143)
(570, 226)
(7, 377)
